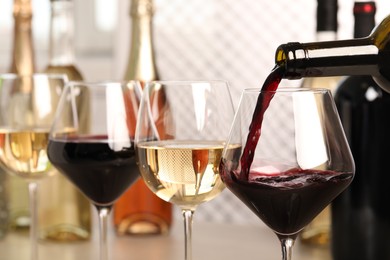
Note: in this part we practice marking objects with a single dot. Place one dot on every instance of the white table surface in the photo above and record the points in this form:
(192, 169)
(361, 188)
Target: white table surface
(210, 241)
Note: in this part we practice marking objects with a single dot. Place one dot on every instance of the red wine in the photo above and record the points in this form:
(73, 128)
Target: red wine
(287, 201)
(263, 101)
(99, 171)
(361, 215)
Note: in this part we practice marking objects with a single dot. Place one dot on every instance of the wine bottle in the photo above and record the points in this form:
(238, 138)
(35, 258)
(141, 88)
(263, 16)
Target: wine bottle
(318, 231)
(23, 57)
(61, 47)
(326, 30)
(361, 215)
(64, 212)
(364, 56)
(139, 211)
(22, 63)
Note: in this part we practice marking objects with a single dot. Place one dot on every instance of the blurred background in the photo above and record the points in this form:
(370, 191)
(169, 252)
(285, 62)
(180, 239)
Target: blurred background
(194, 39)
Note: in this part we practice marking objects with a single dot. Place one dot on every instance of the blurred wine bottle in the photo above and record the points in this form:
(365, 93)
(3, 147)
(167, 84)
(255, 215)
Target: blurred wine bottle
(61, 48)
(326, 30)
(23, 58)
(64, 212)
(23, 63)
(318, 231)
(361, 214)
(139, 211)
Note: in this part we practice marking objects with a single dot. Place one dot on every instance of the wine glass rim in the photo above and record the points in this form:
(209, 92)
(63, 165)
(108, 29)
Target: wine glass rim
(100, 83)
(187, 81)
(287, 90)
(33, 75)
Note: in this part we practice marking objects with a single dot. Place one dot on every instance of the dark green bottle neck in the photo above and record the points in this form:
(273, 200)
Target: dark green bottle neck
(332, 58)
(363, 56)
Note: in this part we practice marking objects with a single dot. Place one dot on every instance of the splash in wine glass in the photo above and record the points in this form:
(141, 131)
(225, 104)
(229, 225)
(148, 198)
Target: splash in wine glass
(99, 159)
(27, 107)
(294, 158)
(179, 145)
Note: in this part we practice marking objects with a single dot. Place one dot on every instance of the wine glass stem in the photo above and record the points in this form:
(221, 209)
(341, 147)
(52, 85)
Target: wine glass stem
(103, 212)
(287, 245)
(32, 189)
(188, 215)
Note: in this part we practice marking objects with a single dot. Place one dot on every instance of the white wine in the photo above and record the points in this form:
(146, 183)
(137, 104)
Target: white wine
(22, 63)
(24, 152)
(185, 173)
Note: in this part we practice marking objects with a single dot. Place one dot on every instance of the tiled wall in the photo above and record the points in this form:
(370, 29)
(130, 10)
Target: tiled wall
(231, 40)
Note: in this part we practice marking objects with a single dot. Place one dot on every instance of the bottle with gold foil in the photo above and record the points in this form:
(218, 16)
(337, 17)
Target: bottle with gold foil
(318, 231)
(139, 211)
(23, 58)
(64, 212)
(23, 63)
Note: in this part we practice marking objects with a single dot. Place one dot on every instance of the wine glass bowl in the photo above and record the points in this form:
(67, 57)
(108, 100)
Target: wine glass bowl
(179, 145)
(98, 158)
(27, 108)
(186, 170)
(91, 163)
(294, 157)
(23, 152)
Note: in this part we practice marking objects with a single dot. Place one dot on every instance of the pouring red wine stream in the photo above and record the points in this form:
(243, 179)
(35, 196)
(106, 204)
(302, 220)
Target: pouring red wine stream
(263, 101)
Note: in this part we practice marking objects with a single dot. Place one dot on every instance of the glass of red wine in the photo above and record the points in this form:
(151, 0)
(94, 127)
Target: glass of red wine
(99, 158)
(179, 145)
(294, 158)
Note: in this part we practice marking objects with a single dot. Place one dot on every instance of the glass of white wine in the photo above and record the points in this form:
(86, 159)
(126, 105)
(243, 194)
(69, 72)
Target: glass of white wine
(27, 108)
(179, 145)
